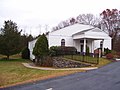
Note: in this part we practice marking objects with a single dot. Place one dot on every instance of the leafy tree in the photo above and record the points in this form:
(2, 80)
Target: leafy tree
(10, 39)
(41, 48)
(111, 21)
(111, 24)
(25, 39)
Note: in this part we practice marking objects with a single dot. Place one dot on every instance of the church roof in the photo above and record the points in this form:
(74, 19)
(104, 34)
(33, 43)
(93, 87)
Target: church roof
(70, 30)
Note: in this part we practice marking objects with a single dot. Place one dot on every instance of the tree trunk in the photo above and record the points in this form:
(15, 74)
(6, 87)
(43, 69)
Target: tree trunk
(112, 44)
(42, 60)
(7, 57)
(114, 40)
(37, 60)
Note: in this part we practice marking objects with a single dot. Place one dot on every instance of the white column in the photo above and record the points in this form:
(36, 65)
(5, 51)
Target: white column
(103, 46)
(84, 47)
(92, 46)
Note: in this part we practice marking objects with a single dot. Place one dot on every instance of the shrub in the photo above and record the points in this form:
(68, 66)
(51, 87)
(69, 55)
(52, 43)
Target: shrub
(70, 50)
(109, 56)
(48, 62)
(58, 50)
(106, 51)
(25, 53)
(41, 49)
(53, 50)
(118, 53)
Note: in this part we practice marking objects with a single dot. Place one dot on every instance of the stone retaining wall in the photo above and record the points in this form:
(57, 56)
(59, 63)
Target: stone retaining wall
(59, 62)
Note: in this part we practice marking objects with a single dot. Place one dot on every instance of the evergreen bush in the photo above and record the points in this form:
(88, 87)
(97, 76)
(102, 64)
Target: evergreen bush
(41, 49)
(25, 53)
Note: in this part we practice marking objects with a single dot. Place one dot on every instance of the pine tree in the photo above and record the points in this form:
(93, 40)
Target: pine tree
(41, 48)
(10, 39)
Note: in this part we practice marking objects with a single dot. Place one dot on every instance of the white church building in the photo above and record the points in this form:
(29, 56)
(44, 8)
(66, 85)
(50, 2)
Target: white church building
(78, 36)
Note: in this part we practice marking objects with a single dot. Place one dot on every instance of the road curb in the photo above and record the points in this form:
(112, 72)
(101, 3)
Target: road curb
(47, 68)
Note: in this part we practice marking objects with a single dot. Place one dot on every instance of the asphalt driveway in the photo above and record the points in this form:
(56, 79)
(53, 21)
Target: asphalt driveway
(105, 78)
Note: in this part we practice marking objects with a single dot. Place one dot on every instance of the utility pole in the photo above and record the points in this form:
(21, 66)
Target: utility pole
(46, 28)
(24, 31)
(40, 26)
(30, 30)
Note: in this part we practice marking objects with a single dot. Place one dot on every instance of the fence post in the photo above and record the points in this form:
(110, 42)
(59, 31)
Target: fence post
(72, 54)
(83, 56)
(98, 56)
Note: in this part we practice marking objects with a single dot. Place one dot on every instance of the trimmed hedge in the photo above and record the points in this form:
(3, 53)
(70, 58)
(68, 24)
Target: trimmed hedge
(58, 50)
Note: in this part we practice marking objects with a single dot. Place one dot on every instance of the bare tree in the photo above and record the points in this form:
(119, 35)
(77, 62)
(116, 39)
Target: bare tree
(72, 21)
(88, 19)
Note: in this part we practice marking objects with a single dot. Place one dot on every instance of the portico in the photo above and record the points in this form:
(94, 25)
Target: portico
(90, 39)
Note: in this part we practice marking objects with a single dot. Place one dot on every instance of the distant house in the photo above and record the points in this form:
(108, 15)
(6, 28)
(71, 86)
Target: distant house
(78, 36)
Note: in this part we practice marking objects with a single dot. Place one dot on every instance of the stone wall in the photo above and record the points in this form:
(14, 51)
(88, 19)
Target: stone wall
(59, 62)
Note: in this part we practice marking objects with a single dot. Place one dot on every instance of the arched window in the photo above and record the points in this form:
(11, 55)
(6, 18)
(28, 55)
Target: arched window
(63, 42)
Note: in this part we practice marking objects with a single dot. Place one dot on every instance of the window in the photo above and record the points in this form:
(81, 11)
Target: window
(63, 42)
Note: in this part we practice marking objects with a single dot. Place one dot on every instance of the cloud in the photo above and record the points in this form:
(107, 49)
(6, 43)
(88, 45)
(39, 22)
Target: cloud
(32, 13)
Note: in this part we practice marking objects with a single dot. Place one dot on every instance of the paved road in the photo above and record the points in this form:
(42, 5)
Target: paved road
(105, 78)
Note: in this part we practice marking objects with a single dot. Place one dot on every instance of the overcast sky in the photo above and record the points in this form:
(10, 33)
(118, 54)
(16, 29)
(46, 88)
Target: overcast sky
(30, 14)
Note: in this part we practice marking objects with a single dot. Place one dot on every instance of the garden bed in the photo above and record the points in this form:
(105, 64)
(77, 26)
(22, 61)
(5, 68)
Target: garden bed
(59, 62)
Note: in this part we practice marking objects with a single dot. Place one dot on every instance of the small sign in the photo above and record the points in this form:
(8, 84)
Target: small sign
(96, 51)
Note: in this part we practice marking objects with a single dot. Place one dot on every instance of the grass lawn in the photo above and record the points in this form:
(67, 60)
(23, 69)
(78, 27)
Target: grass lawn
(12, 72)
(102, 61)
(80, 58)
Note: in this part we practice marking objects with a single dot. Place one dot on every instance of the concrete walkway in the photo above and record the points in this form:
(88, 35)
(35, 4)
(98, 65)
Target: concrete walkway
(47, 68)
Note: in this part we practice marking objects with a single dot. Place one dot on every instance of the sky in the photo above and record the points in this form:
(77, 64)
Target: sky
(34, 15)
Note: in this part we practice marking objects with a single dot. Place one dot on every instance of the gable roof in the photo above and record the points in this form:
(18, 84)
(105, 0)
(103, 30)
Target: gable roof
(70, 30)
(93, 33)
(82, 32)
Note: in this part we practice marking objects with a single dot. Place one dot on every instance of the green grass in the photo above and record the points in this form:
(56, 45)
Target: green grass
(16, 56)
(102, 61)
(13, 72)
(80, 58)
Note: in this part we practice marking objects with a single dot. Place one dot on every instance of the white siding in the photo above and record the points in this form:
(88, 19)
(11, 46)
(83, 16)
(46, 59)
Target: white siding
(55, 40)
(106, 44)
(77, 45)
(31, 46)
